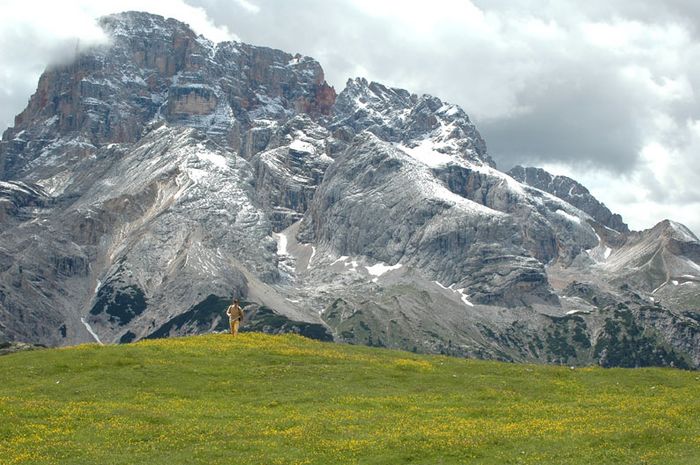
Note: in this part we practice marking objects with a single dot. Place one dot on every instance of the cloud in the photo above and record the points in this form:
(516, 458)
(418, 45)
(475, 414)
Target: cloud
(248, 6)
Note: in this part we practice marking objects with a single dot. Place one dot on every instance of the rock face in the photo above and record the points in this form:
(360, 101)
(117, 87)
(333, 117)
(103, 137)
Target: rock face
(153, 180)
(289, 171)
(382, 203)
(18, 201)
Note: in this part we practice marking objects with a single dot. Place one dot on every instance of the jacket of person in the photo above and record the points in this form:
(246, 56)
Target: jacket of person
(234, 312)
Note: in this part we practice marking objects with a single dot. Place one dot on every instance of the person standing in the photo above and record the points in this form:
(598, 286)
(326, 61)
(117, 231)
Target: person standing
(235, 315)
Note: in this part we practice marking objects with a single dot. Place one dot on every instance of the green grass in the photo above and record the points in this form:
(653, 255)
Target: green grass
(260, 399)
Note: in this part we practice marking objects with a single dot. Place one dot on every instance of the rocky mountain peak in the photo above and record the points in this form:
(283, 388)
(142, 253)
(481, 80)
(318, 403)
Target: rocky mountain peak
(677, 231)
(397, 116)
(144, 25)
(375, 98)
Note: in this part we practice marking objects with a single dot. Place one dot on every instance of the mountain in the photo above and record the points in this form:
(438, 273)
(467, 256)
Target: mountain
(153, 180)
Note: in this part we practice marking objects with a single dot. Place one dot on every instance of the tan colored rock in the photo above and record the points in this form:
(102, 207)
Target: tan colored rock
(193, 102)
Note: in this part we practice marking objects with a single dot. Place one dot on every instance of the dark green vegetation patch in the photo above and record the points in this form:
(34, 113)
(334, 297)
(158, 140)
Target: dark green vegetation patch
(625, 344)
(208, 315)
(121, 304)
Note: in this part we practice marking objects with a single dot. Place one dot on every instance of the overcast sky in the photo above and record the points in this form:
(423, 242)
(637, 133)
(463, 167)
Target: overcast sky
(601, 91)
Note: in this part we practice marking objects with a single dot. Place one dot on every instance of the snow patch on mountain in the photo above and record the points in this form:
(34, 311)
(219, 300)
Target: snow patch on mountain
(569, 216)
(281, 239)
(425, 153)
(607, 252)
(301, 146)
(461, 292)
(217, 160)
(381, 268)
(91, 331)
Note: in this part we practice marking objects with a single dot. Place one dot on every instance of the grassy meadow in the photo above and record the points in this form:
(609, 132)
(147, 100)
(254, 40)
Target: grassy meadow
(259, 399)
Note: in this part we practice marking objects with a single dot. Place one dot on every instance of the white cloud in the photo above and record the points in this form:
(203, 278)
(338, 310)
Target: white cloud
(423, 14)
(248, 6)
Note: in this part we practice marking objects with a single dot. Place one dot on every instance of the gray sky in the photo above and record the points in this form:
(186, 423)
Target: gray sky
(601, 91)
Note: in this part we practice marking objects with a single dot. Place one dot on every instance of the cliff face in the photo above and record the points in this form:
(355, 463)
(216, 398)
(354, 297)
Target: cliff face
(156, 178)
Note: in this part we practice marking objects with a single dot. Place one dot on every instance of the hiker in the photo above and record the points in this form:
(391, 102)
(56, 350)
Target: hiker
(235, 315)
